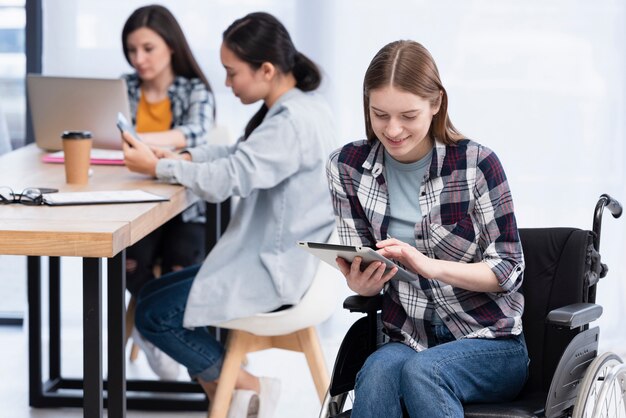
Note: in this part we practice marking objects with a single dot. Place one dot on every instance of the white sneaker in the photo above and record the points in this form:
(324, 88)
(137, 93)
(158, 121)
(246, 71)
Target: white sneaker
(161, 364)
(268, 396)
(245, 404)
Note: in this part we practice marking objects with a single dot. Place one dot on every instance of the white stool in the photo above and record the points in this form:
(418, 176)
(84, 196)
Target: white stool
(291, 329)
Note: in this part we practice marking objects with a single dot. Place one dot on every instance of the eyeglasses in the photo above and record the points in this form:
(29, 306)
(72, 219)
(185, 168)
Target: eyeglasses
(29, 196)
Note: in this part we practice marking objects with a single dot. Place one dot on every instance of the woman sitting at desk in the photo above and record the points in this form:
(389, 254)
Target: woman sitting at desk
(172, 105)
(277, 169)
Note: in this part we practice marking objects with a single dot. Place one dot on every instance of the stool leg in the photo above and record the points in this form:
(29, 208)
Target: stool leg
(130, 318)
(312, 349)
(130, 324)
(236, 349)
(134, 352)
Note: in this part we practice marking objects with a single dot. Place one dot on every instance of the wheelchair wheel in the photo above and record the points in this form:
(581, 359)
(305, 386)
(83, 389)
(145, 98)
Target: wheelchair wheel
(334, 406)
(603, 389)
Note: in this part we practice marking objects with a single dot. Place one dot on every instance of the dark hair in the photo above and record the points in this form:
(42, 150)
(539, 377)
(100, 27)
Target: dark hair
(163, 22)
(260, 37)
(408, 66)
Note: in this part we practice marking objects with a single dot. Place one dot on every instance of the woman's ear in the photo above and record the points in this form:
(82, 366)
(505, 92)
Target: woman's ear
(268, 70)
(437, 105)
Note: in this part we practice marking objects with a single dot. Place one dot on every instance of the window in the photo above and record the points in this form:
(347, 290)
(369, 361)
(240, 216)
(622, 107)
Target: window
(13, 67)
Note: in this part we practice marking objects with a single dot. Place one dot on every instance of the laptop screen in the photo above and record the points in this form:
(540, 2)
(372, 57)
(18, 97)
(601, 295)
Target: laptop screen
(60, 104)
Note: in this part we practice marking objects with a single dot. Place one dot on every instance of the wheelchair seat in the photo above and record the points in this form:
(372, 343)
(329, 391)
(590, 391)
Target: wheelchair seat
(557, 264)
(562, 269)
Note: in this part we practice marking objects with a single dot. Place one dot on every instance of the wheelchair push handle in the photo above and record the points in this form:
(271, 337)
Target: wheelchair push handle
(611, 204)
(615, 207)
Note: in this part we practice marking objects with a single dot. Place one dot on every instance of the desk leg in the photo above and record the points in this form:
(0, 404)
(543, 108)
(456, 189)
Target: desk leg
(116, 382)
(217, 219)
(11, 319)
(54, 309)
(92, 337)
(35, 386)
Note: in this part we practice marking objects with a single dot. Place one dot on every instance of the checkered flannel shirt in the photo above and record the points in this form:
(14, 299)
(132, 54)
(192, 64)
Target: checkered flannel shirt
(468, 217)
(192, 107)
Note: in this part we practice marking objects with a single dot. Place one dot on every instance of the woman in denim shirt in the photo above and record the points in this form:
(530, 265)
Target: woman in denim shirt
(440, 205)
(277, 170)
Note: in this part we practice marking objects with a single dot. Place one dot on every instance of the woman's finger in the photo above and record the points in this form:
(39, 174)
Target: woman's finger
(389, 241)
(355, 267)
(373, 268)
(389, 274)
(343, 265)
(378, 272)
(128, 139)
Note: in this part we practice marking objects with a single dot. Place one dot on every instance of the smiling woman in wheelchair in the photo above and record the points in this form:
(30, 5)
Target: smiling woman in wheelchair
(456, 333)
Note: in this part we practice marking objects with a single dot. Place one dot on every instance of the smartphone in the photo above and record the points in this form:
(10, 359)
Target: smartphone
(123, 125)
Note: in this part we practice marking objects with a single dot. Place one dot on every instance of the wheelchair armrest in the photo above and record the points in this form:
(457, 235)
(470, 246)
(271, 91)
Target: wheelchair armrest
(574, 315)
(364, 304)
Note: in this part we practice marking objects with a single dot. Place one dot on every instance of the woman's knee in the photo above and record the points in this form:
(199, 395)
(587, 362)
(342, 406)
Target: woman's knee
(422, 370)
(145, 320)
(152, 311)
(382, 366)
(161, 303)
(373, 372)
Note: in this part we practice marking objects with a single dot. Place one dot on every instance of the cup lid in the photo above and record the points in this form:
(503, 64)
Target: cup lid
(76, 134)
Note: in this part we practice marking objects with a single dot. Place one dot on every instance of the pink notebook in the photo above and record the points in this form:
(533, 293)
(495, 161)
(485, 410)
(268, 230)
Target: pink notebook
(98, 157)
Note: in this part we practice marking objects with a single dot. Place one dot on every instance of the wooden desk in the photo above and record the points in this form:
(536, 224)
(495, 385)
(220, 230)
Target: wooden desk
(92, 232)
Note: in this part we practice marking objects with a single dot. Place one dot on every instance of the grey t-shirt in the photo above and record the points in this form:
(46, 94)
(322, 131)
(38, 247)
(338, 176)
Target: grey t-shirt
(403, 183)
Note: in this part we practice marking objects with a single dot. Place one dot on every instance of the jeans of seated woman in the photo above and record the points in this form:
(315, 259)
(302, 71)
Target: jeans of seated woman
(159, 319)
(437, 382)
(176, 244)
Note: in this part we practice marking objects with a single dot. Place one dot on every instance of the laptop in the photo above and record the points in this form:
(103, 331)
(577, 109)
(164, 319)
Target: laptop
(60, 104)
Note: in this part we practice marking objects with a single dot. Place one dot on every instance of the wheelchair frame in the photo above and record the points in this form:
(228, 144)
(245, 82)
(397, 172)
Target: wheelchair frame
(583, 384)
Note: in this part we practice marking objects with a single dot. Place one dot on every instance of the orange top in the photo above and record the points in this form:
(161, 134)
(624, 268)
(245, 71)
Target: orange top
(153, 117)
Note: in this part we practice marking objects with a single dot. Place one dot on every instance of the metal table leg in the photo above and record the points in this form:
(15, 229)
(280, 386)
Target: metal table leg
(116, 381)
(92, 338)
(11, 319)
(35, 385)
(54, 312)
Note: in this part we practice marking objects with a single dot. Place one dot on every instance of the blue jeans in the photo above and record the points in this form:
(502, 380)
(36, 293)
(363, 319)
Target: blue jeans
(437, 382)
(159, 318)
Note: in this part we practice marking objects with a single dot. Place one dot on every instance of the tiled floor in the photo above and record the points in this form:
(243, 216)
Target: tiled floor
(298, 397)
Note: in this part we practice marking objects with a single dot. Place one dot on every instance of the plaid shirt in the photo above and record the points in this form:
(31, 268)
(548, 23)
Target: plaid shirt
(192, 106)
(468, 217)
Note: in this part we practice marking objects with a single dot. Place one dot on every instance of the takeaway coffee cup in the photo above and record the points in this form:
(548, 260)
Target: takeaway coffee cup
(76, 150)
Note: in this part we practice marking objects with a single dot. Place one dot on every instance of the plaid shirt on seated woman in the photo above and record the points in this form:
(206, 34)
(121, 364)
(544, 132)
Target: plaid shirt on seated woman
(468, 218)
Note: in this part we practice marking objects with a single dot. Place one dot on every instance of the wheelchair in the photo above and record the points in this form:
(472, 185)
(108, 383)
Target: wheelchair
(567, 378)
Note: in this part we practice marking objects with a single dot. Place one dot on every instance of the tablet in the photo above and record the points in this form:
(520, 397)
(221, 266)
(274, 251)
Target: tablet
(329, 252)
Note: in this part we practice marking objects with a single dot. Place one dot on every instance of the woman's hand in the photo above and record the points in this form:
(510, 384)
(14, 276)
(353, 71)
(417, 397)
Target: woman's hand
(164, 153)
(138, 156)
(368, 282)
(173, 138)
(409, 256)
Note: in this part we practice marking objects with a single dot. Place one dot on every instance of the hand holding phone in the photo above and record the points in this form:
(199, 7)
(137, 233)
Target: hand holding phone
(123, 125)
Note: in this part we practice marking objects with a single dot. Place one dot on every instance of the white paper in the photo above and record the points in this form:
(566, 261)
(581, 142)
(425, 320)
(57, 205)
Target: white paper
(111, 196)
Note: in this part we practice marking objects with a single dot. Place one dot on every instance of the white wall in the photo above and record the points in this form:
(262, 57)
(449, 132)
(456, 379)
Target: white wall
(541, 83)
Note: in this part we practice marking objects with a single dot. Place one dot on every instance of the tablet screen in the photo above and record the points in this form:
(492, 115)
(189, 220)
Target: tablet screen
(329, 252)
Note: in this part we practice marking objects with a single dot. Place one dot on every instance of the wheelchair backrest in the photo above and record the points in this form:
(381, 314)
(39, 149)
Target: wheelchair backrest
(557, 262)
